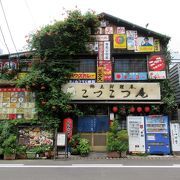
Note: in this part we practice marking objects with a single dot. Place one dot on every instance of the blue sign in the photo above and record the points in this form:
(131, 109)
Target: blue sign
(135, 76)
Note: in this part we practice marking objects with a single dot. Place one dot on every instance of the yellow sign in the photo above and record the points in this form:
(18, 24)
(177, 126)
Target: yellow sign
(100, 74)
(120, 41)
(83, 76)
(156, 45)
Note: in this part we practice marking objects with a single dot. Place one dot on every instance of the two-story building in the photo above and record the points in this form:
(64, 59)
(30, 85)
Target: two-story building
(121, 76)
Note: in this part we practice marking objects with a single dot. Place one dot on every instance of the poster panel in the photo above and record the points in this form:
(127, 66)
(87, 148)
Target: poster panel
(119, 41)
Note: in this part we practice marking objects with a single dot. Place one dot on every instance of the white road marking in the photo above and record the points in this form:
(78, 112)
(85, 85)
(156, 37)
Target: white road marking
(84, 166)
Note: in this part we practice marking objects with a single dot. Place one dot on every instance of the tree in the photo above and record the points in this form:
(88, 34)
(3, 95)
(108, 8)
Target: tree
(54, 48)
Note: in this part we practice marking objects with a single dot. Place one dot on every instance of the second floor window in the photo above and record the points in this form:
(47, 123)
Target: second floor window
(130, 65)
(85, 65)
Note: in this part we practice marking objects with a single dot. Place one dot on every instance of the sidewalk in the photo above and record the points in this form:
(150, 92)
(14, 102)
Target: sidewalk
(103, 155)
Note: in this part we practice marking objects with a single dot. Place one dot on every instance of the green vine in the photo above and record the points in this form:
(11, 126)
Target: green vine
(55, 46)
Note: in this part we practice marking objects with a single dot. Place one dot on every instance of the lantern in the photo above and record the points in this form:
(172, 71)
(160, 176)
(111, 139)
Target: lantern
(68, 127)
(147, 109)
(139, 109)
(115, 109)
(132, 109)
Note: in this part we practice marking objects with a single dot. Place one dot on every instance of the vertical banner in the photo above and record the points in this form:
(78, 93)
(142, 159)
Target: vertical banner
(107, 71)
(100, 74)
(107, 50)
(131, 39)
(157, 45)
(101, 51)
(120, 41)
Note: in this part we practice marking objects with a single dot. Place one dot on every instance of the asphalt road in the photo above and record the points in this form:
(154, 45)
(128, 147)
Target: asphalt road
(90, 170)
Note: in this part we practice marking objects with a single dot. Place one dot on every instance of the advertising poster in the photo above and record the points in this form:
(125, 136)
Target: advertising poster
(156, 67)
(35, 136)
(121, 30)
(108, 30)
(145, 44)
(101, 51)
(100, 74)
(131, 39)
(135, 76)
(119, 41)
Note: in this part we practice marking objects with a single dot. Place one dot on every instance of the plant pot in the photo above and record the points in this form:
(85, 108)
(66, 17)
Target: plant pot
(21, 156)
(113, 154)
(31, 155)
(123, 154)
(9, 156)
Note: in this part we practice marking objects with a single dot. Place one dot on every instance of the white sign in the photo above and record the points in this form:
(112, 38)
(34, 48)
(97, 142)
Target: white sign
(113, 91)
(61, 139)
(175, 136)
(100, 37)
(107, 50)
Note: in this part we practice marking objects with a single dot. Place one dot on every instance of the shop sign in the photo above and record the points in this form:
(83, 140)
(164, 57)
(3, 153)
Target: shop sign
(107, 50)
(120, 30)
(113, 91)
(108, 30)
(100, 74)
(119, 41)
(82, 81)
(136, 76)
(83, 76)
(157, 47)
(92, 46)
(100, 37)
(156, 67)
(101, 51)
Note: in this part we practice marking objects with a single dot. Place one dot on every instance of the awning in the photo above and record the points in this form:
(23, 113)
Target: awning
(116, 102)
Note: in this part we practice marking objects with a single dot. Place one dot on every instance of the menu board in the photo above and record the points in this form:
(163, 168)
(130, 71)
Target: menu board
(34, 136)
(16, 103)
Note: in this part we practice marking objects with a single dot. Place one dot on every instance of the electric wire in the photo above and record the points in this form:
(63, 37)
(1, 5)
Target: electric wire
(8, 27)
(4, 40)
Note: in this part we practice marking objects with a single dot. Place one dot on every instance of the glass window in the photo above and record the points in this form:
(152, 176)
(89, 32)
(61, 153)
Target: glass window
(85, 65)
(130, 65)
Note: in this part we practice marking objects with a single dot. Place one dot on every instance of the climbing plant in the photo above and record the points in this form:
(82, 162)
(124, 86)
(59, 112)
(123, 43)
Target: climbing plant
(54, 47)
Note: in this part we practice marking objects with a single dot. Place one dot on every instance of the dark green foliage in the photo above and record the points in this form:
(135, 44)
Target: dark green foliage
(55, 46)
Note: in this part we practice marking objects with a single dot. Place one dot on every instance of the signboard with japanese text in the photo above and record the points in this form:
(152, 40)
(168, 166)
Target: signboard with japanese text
(113, 91)
(100, 37)
(107, 54)
(107, 68)
(156, 67)
(157, 47)
(82, 81)
(135, 76)
(119, 41)
(101, 51)
(145, 44)
(83, 76)
(100, 74)
(120, 30)
(108, 30)
(16, 103)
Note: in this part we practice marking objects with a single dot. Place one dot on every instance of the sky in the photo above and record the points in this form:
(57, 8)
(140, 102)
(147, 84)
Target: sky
(26, 16)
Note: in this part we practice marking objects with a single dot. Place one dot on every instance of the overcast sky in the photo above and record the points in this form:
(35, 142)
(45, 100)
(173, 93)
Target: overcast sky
(24, 16)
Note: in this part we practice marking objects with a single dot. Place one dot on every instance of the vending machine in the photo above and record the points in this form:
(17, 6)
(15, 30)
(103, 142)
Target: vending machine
(157, 134)
(136, 134)
(175, 137)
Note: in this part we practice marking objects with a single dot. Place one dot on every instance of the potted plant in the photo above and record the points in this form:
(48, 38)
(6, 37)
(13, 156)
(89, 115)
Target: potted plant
(113, 143)
(21, 152)
(83, 147)
(31, 152)
(9, 147)
(123, 139)
(73, 144)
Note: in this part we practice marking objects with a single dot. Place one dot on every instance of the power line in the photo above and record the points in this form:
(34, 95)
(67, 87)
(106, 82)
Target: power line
(4, 40)
(8, 27)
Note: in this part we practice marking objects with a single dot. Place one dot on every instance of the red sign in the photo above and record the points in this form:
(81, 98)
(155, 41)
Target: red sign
(68, 127)
(156, 63)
